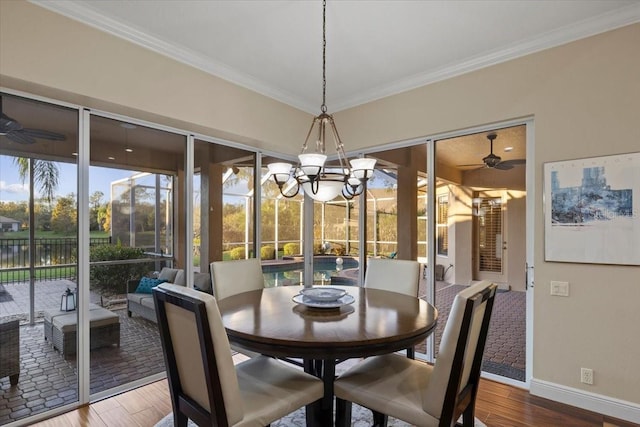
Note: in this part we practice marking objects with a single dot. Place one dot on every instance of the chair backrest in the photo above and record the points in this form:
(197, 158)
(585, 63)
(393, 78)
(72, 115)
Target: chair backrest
(200, 370)
(453, 384)
(233, 277)
(397, 275)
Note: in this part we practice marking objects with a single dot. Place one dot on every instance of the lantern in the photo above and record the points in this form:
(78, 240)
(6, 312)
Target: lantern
(68, 301)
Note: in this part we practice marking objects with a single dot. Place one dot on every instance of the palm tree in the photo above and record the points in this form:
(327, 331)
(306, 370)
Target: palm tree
(45, 175)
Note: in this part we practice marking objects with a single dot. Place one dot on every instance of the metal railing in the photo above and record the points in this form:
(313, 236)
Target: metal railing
(54, 258)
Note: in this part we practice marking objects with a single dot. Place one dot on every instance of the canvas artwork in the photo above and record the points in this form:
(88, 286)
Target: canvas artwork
(592, 210)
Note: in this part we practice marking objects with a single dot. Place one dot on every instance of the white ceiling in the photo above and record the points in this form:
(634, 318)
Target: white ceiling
(374, 48)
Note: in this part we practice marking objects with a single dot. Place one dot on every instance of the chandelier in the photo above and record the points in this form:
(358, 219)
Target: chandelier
(321, 182)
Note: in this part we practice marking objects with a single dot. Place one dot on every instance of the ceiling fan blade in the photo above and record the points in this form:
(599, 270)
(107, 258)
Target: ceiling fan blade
(515, 161)
(7, 124)
(508, 164)
(44, 134)
(503, 166)
(20, 138)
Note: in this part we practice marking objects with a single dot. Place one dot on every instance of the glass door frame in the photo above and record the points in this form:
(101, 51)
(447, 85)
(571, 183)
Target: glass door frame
(528, 122)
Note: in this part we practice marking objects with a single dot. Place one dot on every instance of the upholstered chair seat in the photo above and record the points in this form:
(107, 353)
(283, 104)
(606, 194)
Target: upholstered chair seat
(205, 385)
(418, 393)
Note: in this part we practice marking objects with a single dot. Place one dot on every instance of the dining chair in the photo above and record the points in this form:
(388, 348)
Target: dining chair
(418, 393)
(395, 275)
(233, 277)
(204, 384)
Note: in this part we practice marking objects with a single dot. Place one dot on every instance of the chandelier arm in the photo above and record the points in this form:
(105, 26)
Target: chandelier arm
(342, 157)
(315, 184)
(294, 194)
(306, 140)
(346, 194)
(320, 147)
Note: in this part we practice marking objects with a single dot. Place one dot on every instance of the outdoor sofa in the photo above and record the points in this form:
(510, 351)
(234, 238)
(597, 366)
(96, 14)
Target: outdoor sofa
(141, 303)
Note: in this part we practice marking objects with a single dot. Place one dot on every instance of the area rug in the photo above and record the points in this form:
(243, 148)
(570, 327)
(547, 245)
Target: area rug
(360, 417)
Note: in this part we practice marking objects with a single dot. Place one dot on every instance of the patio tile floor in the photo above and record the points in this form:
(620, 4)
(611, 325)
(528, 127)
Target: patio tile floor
(48, 380)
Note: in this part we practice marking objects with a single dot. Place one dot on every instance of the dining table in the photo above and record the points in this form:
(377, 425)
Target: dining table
(283, 323)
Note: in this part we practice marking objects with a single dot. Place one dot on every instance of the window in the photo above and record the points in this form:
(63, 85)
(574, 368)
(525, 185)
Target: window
(442, 227)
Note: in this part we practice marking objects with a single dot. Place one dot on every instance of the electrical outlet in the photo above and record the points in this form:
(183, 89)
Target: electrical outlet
(560, 289)
(586, 375)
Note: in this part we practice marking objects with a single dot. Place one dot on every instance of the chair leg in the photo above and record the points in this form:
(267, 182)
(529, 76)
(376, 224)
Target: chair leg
(379, 419)
(343, 413)
(312, 413)
(469, 416)
(179, 419)
(411, 353)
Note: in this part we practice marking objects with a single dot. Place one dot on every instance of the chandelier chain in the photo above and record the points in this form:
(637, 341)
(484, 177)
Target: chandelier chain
(323, 108)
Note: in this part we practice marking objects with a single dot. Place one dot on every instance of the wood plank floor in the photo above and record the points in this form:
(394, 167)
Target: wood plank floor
(497, 405)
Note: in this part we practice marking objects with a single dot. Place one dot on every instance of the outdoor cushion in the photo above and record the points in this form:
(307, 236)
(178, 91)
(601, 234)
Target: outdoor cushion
(147, 301)
(180, 278)
(168, 274)
(202, 281)
(137, 298)
(147, 283)
(97, 317)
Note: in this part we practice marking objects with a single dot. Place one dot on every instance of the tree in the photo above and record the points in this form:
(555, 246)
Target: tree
(95, 203)
(104, 217)
(64, 215)
(45, 175)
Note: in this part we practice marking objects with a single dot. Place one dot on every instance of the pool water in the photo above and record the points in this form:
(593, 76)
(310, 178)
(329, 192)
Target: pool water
(322, 272)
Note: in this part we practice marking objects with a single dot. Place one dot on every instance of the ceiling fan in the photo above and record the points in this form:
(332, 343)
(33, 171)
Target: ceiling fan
(15, 132)
(493, 161)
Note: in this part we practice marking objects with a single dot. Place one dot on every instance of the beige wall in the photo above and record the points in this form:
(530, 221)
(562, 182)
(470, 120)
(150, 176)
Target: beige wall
(585, 100)
(584, 97)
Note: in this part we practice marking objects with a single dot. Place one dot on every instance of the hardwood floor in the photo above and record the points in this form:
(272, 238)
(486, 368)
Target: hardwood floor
(496, 405)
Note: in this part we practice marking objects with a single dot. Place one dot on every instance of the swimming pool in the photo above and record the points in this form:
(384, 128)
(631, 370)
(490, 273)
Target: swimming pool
(323, 269)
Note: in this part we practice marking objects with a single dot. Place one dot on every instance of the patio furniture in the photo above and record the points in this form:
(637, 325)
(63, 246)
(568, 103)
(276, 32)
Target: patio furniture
(421, 394)
(10, 350)
(204, 383)
(60, 329)
(142, 305)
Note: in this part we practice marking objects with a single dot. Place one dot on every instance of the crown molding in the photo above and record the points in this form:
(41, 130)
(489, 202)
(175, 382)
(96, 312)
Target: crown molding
(80, 12)
(608, 21)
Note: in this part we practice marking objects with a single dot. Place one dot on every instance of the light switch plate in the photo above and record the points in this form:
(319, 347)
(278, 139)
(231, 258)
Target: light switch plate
(560, 289)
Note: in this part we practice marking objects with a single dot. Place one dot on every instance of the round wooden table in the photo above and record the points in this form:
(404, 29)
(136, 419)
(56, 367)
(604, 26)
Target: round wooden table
(378, 322)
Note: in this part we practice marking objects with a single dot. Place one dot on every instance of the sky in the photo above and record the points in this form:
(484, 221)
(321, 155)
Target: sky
(12, 188)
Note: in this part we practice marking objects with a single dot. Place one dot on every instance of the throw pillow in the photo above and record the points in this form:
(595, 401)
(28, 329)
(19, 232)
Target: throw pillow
(202, 282)
(146, 284)
(168, 274)
(180, 279)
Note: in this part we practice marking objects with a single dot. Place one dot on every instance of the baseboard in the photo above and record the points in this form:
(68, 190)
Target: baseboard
(604, 405)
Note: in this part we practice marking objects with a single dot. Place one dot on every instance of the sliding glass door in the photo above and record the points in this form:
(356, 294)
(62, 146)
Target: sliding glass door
(135, 216)
(38, 257)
